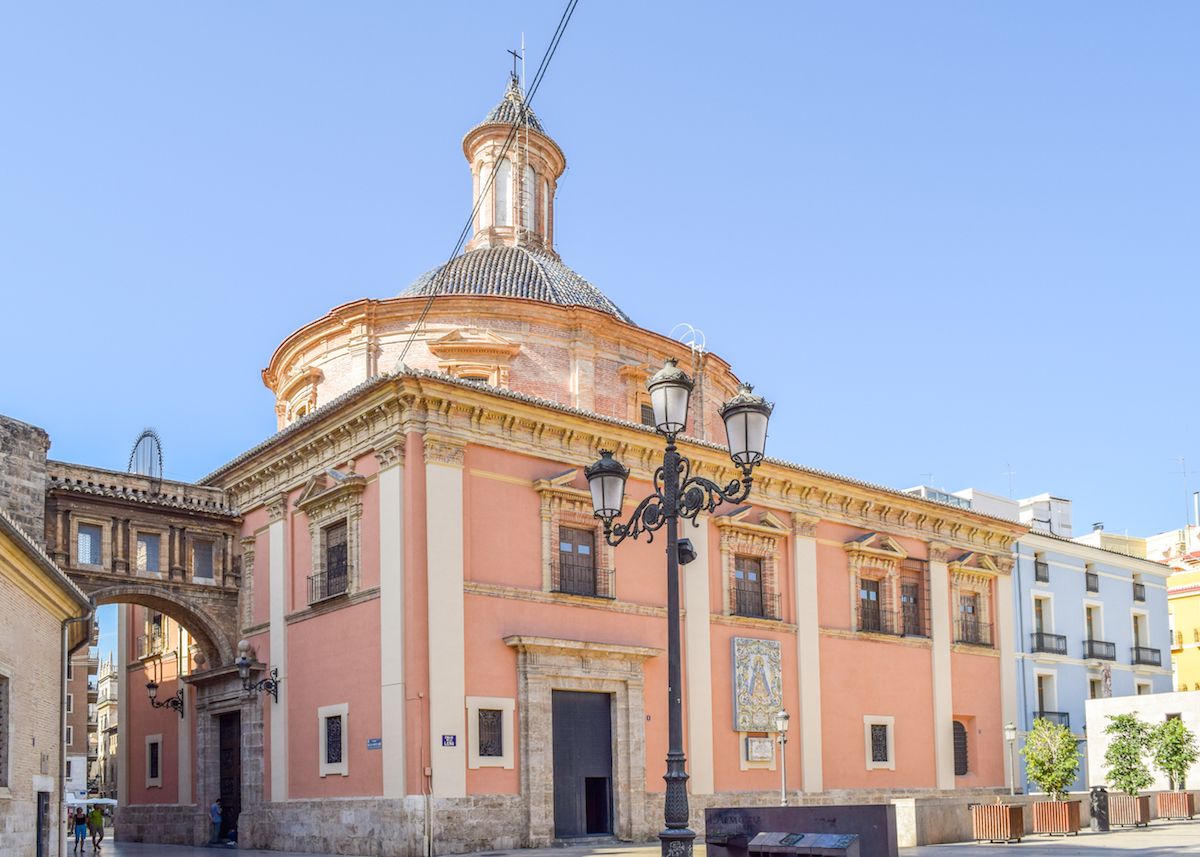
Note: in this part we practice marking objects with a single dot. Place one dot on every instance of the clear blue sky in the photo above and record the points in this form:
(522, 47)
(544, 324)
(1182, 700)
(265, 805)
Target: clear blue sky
(946, 238)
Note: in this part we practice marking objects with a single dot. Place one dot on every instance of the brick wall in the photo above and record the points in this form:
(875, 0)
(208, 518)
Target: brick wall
(23, 474)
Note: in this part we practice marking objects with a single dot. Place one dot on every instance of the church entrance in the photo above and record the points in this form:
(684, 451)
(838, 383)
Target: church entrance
(582, 727)
(230, 737)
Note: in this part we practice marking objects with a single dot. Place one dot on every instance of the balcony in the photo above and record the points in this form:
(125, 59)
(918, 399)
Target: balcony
(327, 584)
(581, 578)
(1041, 571)
(1093, 581)
(1147, 656)
(149, 645)
(1139, 592)
(1054, 644)
(1061, 718)
(872, 620)
(973, 633)
(1100, 650)
(756, 604)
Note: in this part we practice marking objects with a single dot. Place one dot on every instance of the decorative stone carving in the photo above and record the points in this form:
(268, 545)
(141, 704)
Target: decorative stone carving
(472, 353)
(444, 452)
(758, 684)
(277, 508)
(939, 552)
(390, 455)
(805, 525)
(247, 589)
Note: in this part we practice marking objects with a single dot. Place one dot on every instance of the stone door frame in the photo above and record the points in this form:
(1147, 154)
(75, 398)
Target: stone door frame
(220, 692)
(546, 664)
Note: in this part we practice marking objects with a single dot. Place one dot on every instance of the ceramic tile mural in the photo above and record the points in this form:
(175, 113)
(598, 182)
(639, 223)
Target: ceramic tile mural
(758, 685)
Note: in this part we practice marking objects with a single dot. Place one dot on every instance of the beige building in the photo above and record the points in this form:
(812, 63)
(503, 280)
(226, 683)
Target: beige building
(106, 766)
(80, 737)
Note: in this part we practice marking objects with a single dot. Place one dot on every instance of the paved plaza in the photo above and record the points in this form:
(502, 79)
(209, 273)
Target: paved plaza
(1160, 840)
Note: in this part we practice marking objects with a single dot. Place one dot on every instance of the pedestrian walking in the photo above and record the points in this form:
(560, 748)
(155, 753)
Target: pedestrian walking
(95, 823)
(80, 824)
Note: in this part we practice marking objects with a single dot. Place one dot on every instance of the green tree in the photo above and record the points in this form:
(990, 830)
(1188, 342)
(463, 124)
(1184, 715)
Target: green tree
(1173, 748)
(1125, 757)
(1051, 757)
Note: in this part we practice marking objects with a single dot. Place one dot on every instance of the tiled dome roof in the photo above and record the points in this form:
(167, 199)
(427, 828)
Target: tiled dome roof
(512, 108)
(513, 272)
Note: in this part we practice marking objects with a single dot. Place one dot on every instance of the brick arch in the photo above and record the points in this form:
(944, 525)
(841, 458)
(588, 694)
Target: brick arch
(215, 640)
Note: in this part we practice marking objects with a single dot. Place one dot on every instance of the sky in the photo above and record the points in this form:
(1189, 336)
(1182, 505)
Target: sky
(956, 243)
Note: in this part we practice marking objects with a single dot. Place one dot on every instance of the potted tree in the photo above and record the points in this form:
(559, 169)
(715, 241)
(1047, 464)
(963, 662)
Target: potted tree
(1173, 748)
(1052, 763)
(1124, 760)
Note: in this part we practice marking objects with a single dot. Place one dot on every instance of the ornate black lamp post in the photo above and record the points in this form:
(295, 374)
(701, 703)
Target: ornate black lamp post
(678, 494)
(175, 702)
(244, 662)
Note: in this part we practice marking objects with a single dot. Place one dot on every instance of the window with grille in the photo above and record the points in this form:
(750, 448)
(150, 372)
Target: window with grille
(152, 761)
(969, 630)
(910, 606)
(491, 735)
(147, 552)
(202, 559)
(961, 765)
(336, 567)
(88, 546)
(333, 740)
(748, 588)
(70, 734)
(576, 561)
(879, 742)
(647, 412)
(870, 617)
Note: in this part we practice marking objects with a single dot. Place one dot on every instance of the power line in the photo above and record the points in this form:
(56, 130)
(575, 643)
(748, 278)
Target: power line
(521, 119)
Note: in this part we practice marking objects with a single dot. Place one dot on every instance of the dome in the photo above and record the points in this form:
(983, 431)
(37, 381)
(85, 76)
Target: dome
(513, 272)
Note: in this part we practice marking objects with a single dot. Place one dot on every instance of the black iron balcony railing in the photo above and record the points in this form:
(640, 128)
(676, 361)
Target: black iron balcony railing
(581, 578)
(1055, 644)
(327, 584)
(1093, 581)
(874, 620)
(1061, 718)
(1041, 571)
(150, 644)
(912, 621)
(1147, 656)
(1139, 592)
(973, 632)
(756, 604)
(1100, 649)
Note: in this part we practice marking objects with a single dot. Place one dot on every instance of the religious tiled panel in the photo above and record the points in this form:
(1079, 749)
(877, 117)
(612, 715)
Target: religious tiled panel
(758, 684)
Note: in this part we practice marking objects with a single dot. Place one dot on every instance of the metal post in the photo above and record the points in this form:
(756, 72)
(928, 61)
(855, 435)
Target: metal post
(783, 769)
(676, 838)
(1012, 769)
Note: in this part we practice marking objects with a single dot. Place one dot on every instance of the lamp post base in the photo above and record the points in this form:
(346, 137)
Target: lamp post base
(677, 842)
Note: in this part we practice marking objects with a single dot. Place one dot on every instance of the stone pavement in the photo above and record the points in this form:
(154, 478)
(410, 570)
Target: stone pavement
(1162, 839)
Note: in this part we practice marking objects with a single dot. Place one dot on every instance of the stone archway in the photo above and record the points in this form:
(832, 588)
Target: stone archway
(214, 634)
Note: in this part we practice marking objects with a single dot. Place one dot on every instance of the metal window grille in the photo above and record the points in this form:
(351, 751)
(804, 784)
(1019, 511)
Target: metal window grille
(147, 552)
(1093, 581)
(491, 738)
(910, 606)
(154, 747)
(575, 573)
(647, 415)
(1147, 656)
(333, 740)
(1055, 644)
(202, 559)
(1100, 649)
(879, 742)
(1041, 571)
(870, 612)
(1139, 592)
(336, 566)
(961, 760)
(749, 597)
(88, 545)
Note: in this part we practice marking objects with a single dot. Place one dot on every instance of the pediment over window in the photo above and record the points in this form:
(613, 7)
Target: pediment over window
(973, 563)
(876, 544)
(747, 518)
(474, 354)
(329, 487)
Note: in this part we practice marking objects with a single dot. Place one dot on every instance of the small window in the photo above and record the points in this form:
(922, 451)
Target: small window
(70, 735)
(491, 734)
(70, 672)
(647, 412)
(333, 740)
(1095, 688)
(88, 547)
(68, 768)
(870, 615)
(336, 568)
(5, 728)
(202, 559)
(961, 765)
(1142, 688)
(153, 761)
(576, 562)
(748, 586)
(910, 606)
(879, 742)
(476, 377)
(70, 703)
(147, 552)
(1041, 568)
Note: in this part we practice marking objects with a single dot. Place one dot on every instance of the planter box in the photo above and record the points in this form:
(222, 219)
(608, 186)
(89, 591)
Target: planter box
(1175, 804)
(997, 822)
(1059, 817)
(1126, 811)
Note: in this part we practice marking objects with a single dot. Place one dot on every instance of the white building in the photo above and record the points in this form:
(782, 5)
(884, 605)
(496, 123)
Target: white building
(1153, 709)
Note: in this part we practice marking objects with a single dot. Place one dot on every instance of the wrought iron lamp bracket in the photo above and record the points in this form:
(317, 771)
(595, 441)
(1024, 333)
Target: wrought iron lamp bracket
(175, 702)
(270, 685)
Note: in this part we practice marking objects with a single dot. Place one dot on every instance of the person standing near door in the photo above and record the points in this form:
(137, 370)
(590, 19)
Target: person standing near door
(214, 815)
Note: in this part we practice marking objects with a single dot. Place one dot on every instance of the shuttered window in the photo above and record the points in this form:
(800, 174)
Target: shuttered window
(961, 765)
(147, 552)
(202, 559)
(88, 547)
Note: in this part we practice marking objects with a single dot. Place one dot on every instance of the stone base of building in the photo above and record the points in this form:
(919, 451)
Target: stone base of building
(385, 827)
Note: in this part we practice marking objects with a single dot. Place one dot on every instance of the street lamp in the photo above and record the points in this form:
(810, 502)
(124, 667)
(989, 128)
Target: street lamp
(1010, 735)
(781, 728)
(678, 494)
(270, 684)
(175, 702)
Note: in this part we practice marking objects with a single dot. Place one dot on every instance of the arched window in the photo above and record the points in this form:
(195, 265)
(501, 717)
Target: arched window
(485, 210)
(502, 188)
(546, 208)
(960, 749)
(527, 200)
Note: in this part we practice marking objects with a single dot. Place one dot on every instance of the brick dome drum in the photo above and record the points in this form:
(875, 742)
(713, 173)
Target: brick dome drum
(513, 272)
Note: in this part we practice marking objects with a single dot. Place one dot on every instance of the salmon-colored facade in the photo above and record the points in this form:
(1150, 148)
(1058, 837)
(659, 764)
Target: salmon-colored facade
(463, 658)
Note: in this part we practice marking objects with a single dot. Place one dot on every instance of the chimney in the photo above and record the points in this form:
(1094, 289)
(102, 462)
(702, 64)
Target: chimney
(1099, 526)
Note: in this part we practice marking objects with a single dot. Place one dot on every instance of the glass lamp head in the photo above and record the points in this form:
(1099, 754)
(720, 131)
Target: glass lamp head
(606, 479)
(152, 689)
(781, 722)
(670, 390)
(746, 416)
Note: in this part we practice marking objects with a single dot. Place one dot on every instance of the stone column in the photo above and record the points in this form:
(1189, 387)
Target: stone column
(391, 615)
(447, 628)
(941, 631)
(808, 650)
(697, 681)
(277, 514)
(1005, 636)
(122, 705)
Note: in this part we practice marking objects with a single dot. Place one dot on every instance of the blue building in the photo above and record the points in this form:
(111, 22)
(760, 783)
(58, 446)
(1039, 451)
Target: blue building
(1090, 623)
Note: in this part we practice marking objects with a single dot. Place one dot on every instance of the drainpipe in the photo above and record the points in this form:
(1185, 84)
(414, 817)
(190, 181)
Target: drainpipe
(1022, 698)
(62, 718)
